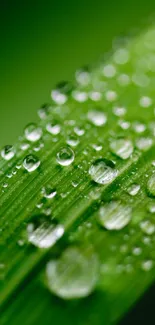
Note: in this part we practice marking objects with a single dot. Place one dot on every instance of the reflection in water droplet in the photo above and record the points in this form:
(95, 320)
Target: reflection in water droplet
(102, 171)
(151, 185)
(65, 156)
(8, 152)
(134, 189)
(33, 133)
(74, 275)
(43, 233)
(97, 117)
(114, 215)
(123, 148)
(31, 163)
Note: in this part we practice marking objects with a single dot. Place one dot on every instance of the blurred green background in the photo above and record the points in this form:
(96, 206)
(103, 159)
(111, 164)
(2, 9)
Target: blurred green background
(44, 42)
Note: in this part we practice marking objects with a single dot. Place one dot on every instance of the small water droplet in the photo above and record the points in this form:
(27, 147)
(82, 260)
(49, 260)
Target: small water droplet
(147, 265)
(123, 148)
(134, 189)
(151, 207)
(53, 127)
(119, 111)
(137, 251)
(151, 185)
(111, 95)
(145, 101)
(79, 131)
(114, 215)
(97, 117)
(48, 192)
(144, 144)
(74, 275)
(61, 93)
(8, 152)
(31, 163)
(139, 127)
(80, 96)
(32, 132)
(72, 140)
(121, 56)
(65, 156)
(109, 71)
(43, 111)
(102, 171)
(43, 233)
(147, 227)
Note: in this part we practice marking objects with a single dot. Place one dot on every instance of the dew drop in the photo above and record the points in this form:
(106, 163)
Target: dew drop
(8, 152)
(134, 189)
(111, 95)
(48, 192)
(43, 233)
(43, 111)
(114, 215)
(102, 171)
(65, 156)
(53, 127)
(121, 56)
(32, 132)
(144, 144)
(31, 163)
(147, 265)
(74, 275)
(151, 207)
(151, 185)
(80, 96)
(122, 148)
(145, 101)
(60, 94)
(72, 140)
(109, 71)
(97, 117)
(147, 227)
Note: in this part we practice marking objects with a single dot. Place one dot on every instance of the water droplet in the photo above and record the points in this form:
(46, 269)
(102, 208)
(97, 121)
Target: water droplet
(102, 171)
(53, 127)
(31, 163)
(121, 56)
(145, 101)
(151, 185)
(83, 76)
(97, 147)
(72, 140)
(95, 96)
(74, 275)
(144, 144)
(97, 117)
(147, 227)
(60, 94)
(49, 192)
(32, 132)
(80, 96)
(124, 124)
(147, 265)
(111, 95)
(43, 233)
(114, 215)
(119, 111)
(65, 156)
(43, 111)
(134, 189)
(109, 71)
(139, 127)
(137, 251)
(123, 80)
(151, 207)
(8, 152)
(79, 131)
(123, 148)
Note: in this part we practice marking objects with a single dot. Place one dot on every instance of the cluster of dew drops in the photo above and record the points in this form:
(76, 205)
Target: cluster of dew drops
(94, 89)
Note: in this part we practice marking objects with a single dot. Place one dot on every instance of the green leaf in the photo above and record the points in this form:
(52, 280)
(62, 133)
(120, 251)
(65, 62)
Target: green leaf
(77, 194)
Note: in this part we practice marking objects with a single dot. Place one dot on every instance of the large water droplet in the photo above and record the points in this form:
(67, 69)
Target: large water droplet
(144, 144)
(102, 171)
(43, 233)
(123, 148)
(49, 192)
(74, 275)
(8, 152)
(97, 117)
(151, 185)
(31, 163)
(114, 215)
(32, 132)
(65, 156)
